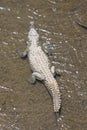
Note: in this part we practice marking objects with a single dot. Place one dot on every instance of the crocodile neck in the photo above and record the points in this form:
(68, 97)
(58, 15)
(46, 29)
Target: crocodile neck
(33, 44)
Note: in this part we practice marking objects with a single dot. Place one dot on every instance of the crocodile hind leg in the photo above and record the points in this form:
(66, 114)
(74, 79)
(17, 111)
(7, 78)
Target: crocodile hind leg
(36, 76)
(54, 71)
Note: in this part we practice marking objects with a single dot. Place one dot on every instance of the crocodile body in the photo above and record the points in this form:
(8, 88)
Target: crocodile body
(41, 67)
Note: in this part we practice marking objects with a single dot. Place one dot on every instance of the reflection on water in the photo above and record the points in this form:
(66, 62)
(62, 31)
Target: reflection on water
(23, 106)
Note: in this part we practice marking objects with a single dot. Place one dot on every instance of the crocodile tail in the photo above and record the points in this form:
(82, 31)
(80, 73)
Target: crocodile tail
(56, 100)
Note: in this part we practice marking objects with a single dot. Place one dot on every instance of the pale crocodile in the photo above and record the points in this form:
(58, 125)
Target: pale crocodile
(41, 67)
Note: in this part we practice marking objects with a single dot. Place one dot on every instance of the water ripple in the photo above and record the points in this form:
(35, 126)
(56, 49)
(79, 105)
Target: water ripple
(4, 8)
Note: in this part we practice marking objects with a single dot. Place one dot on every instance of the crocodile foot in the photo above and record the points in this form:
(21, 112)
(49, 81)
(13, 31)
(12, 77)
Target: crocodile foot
(22, 54)
(36, 76)
(31, 80)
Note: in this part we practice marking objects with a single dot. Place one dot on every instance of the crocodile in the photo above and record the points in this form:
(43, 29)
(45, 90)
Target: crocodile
(41, 67)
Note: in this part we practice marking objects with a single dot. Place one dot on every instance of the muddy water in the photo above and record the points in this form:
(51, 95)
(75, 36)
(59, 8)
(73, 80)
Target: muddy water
(29, 107)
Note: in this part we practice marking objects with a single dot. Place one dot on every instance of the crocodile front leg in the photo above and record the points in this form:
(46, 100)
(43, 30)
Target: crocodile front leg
(36, 76)
(22, 54)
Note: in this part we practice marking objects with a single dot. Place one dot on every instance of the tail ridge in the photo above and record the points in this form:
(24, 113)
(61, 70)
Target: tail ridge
(56, 98)
(56, 101)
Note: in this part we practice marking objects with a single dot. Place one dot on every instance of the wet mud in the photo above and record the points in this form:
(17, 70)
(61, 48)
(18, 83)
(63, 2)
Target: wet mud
(29, 107)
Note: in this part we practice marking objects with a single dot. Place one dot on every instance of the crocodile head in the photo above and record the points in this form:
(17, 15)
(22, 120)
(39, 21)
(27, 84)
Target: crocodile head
(33, 36)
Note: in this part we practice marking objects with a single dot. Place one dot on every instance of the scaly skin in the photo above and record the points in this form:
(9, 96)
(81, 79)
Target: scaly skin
(41, 67)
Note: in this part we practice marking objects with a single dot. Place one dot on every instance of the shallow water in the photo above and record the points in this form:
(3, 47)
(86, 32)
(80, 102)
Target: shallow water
(29, 107)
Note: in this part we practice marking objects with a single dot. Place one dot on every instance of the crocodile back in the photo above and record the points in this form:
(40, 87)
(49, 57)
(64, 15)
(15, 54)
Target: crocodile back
(39, 62)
